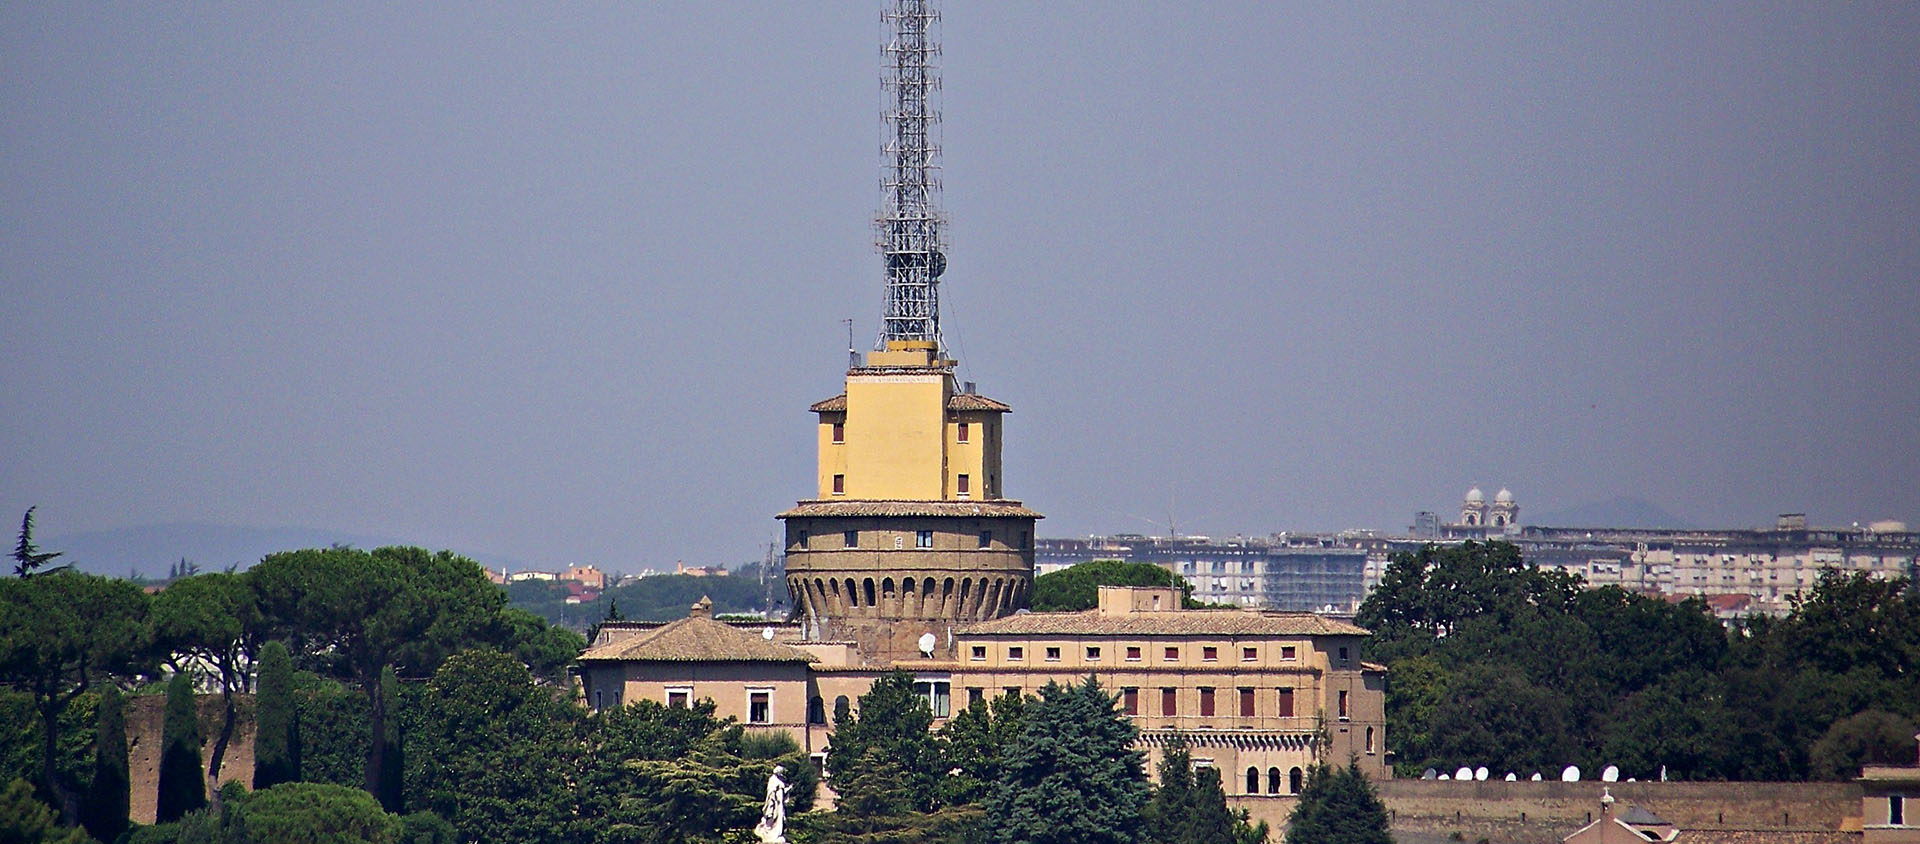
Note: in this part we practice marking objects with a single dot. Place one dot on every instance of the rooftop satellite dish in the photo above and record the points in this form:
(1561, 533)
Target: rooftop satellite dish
(1444, 778)
(1611, 774)
(926, 645)
(767, 634)
(1571, 774)
(1465, 773)
(1512, 777)
(1536, 777)
(1480, 774)
(1429, 774)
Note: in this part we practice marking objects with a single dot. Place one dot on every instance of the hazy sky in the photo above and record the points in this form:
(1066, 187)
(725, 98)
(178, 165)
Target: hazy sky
(558, 282)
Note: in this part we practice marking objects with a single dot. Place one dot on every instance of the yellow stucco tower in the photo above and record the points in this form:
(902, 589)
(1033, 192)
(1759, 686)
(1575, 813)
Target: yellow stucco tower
(908, 534)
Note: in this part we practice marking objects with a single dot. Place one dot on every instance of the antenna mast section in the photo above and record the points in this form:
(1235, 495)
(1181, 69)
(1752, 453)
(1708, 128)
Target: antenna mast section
(909, 225)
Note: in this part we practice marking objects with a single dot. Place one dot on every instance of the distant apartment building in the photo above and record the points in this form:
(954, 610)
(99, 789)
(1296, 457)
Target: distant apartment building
(1282, 572)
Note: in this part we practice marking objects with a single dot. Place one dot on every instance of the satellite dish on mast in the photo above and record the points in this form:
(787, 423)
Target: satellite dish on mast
(1465, 773)
(926, 645)
(767, 634)
(1571, 774)
(1611, 774)
(1480, 774)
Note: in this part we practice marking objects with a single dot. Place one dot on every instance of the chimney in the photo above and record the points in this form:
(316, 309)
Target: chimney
(702, 609)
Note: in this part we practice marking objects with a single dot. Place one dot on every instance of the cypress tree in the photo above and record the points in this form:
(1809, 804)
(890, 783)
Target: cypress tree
(276, 721)
(182, 787)
(1338, 806)
(106, 808)
(1166, 814)
(391, 762)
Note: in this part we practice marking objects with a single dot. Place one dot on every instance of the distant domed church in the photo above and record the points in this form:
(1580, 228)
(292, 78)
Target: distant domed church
(1476, 512)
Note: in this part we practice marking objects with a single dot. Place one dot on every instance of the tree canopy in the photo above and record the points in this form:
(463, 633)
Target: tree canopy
(1077, 587)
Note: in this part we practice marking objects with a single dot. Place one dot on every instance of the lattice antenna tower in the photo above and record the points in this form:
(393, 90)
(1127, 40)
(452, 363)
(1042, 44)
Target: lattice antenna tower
(909, 224)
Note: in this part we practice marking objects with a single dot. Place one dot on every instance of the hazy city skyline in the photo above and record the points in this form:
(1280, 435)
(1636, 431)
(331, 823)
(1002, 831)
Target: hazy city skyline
(558, 284)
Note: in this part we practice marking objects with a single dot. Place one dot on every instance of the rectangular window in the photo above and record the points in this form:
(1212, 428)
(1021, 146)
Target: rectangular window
(1210, 654)
(760, 707)
(1206, 701)
(1169, 702)
(1133, 653)
(939, 695)
(1896, 810)
(1343, 704)
(839, 432)
(1249, 654)
(851, 538)
(962, 484)
(1093, 654)
(801, 540)
(839, 484)
(1246, 703)
(1016, 652)
(986, 538)
(979, 651)
(975, 695)
(599, 702)
(1343, 656)
(682, 698)
(1288, 652)
(960, 432)
(1053, 654)
(1286, 703)
(1172, 654)
(1130, 701)
(923, 539)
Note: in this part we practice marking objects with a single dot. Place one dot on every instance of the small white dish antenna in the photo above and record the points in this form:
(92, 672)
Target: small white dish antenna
(1429, 774)
(926, 645)
(1631, 779)
(1480, 774)
(767, 634)
(1571, 774)
(1512, 777)
(1464, 773)
(1444, 778)
(1536, 777)
(1611, 774)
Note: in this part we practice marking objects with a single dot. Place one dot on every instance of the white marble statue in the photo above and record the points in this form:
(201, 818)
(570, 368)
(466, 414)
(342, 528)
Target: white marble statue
(772, 828)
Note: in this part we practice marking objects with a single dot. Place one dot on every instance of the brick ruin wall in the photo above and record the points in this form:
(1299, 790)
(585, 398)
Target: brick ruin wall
(146, 717)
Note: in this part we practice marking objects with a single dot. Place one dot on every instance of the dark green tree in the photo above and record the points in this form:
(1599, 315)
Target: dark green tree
(183, 787)
(26, 820)
(28, 559)
(1338, 806)
(1168, 814)
(1873, 737)
(58, 633)
(975, 743)
(315, 813)
(894, 723)
(105, 810)
(276, 740)
(357, 612)
(392, 757)
(496, 754)
(1077, 587)
(1073, 776)
(544, 649)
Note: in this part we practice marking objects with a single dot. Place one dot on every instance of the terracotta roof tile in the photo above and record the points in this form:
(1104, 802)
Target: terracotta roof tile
(1176, 623)
(997, 508)
(975, 401)
(1765, 836)
(695, 640)
(837, 404)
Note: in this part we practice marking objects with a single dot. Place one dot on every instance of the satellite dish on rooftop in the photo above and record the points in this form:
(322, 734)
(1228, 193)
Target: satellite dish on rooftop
(1480, 774)
(1512, 777)
(1465, 773)
(1536, 777)
(1571, 774)
(1444, 778)
(1611, 774)
(1429, 774)
(767, 634)
(926, 645)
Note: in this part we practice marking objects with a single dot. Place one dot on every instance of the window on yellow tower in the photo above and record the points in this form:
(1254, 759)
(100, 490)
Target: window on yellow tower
(839, 484)
(962, 484)
(960, 432)
(839, 432)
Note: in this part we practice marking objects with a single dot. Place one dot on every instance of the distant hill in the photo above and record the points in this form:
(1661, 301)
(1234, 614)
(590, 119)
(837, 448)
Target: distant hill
(1623, 512)
(149, 550)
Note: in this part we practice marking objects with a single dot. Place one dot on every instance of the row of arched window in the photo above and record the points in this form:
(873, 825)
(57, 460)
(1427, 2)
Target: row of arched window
(1293, 781)
(966, 597)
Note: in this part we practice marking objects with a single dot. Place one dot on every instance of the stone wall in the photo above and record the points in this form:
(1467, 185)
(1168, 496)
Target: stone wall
(146, 717)
(1545, 812)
